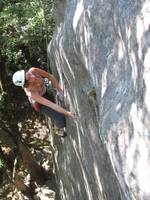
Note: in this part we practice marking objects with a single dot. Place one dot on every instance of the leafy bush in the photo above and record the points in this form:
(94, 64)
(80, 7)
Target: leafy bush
(25, 29)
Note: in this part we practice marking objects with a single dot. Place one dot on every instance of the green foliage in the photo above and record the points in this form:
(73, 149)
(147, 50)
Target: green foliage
(25, 29)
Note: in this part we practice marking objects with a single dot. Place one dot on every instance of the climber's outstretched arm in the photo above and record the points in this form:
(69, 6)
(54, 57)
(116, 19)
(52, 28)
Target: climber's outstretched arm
(46, 102)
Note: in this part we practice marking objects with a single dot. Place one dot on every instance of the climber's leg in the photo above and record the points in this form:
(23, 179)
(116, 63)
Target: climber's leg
(57, 118)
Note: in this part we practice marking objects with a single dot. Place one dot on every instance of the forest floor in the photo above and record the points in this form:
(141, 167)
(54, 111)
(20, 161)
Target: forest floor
(36, 134)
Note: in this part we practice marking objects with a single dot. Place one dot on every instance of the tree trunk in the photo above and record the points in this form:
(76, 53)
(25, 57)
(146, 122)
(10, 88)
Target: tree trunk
(2, 74)
(19, 183)
(35, 170)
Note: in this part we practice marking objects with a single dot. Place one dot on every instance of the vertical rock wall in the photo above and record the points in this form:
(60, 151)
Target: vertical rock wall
(101, 53)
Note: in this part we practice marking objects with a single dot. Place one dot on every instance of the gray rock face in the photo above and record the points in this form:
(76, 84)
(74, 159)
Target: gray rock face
(101, 52)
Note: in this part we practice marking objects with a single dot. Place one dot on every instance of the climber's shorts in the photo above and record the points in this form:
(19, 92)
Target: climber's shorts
(57, 118)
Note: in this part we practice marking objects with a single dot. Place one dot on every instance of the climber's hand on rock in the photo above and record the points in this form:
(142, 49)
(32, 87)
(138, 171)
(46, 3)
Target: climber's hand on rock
(71, 114)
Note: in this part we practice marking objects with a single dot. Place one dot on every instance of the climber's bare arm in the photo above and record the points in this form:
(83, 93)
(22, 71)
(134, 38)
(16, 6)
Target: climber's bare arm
(52, 105)
(45, 74)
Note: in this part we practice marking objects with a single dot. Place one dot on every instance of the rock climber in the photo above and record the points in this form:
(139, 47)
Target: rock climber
(33, 81)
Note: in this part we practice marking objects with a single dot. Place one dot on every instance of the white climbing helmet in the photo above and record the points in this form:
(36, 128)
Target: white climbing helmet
(19, 78)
